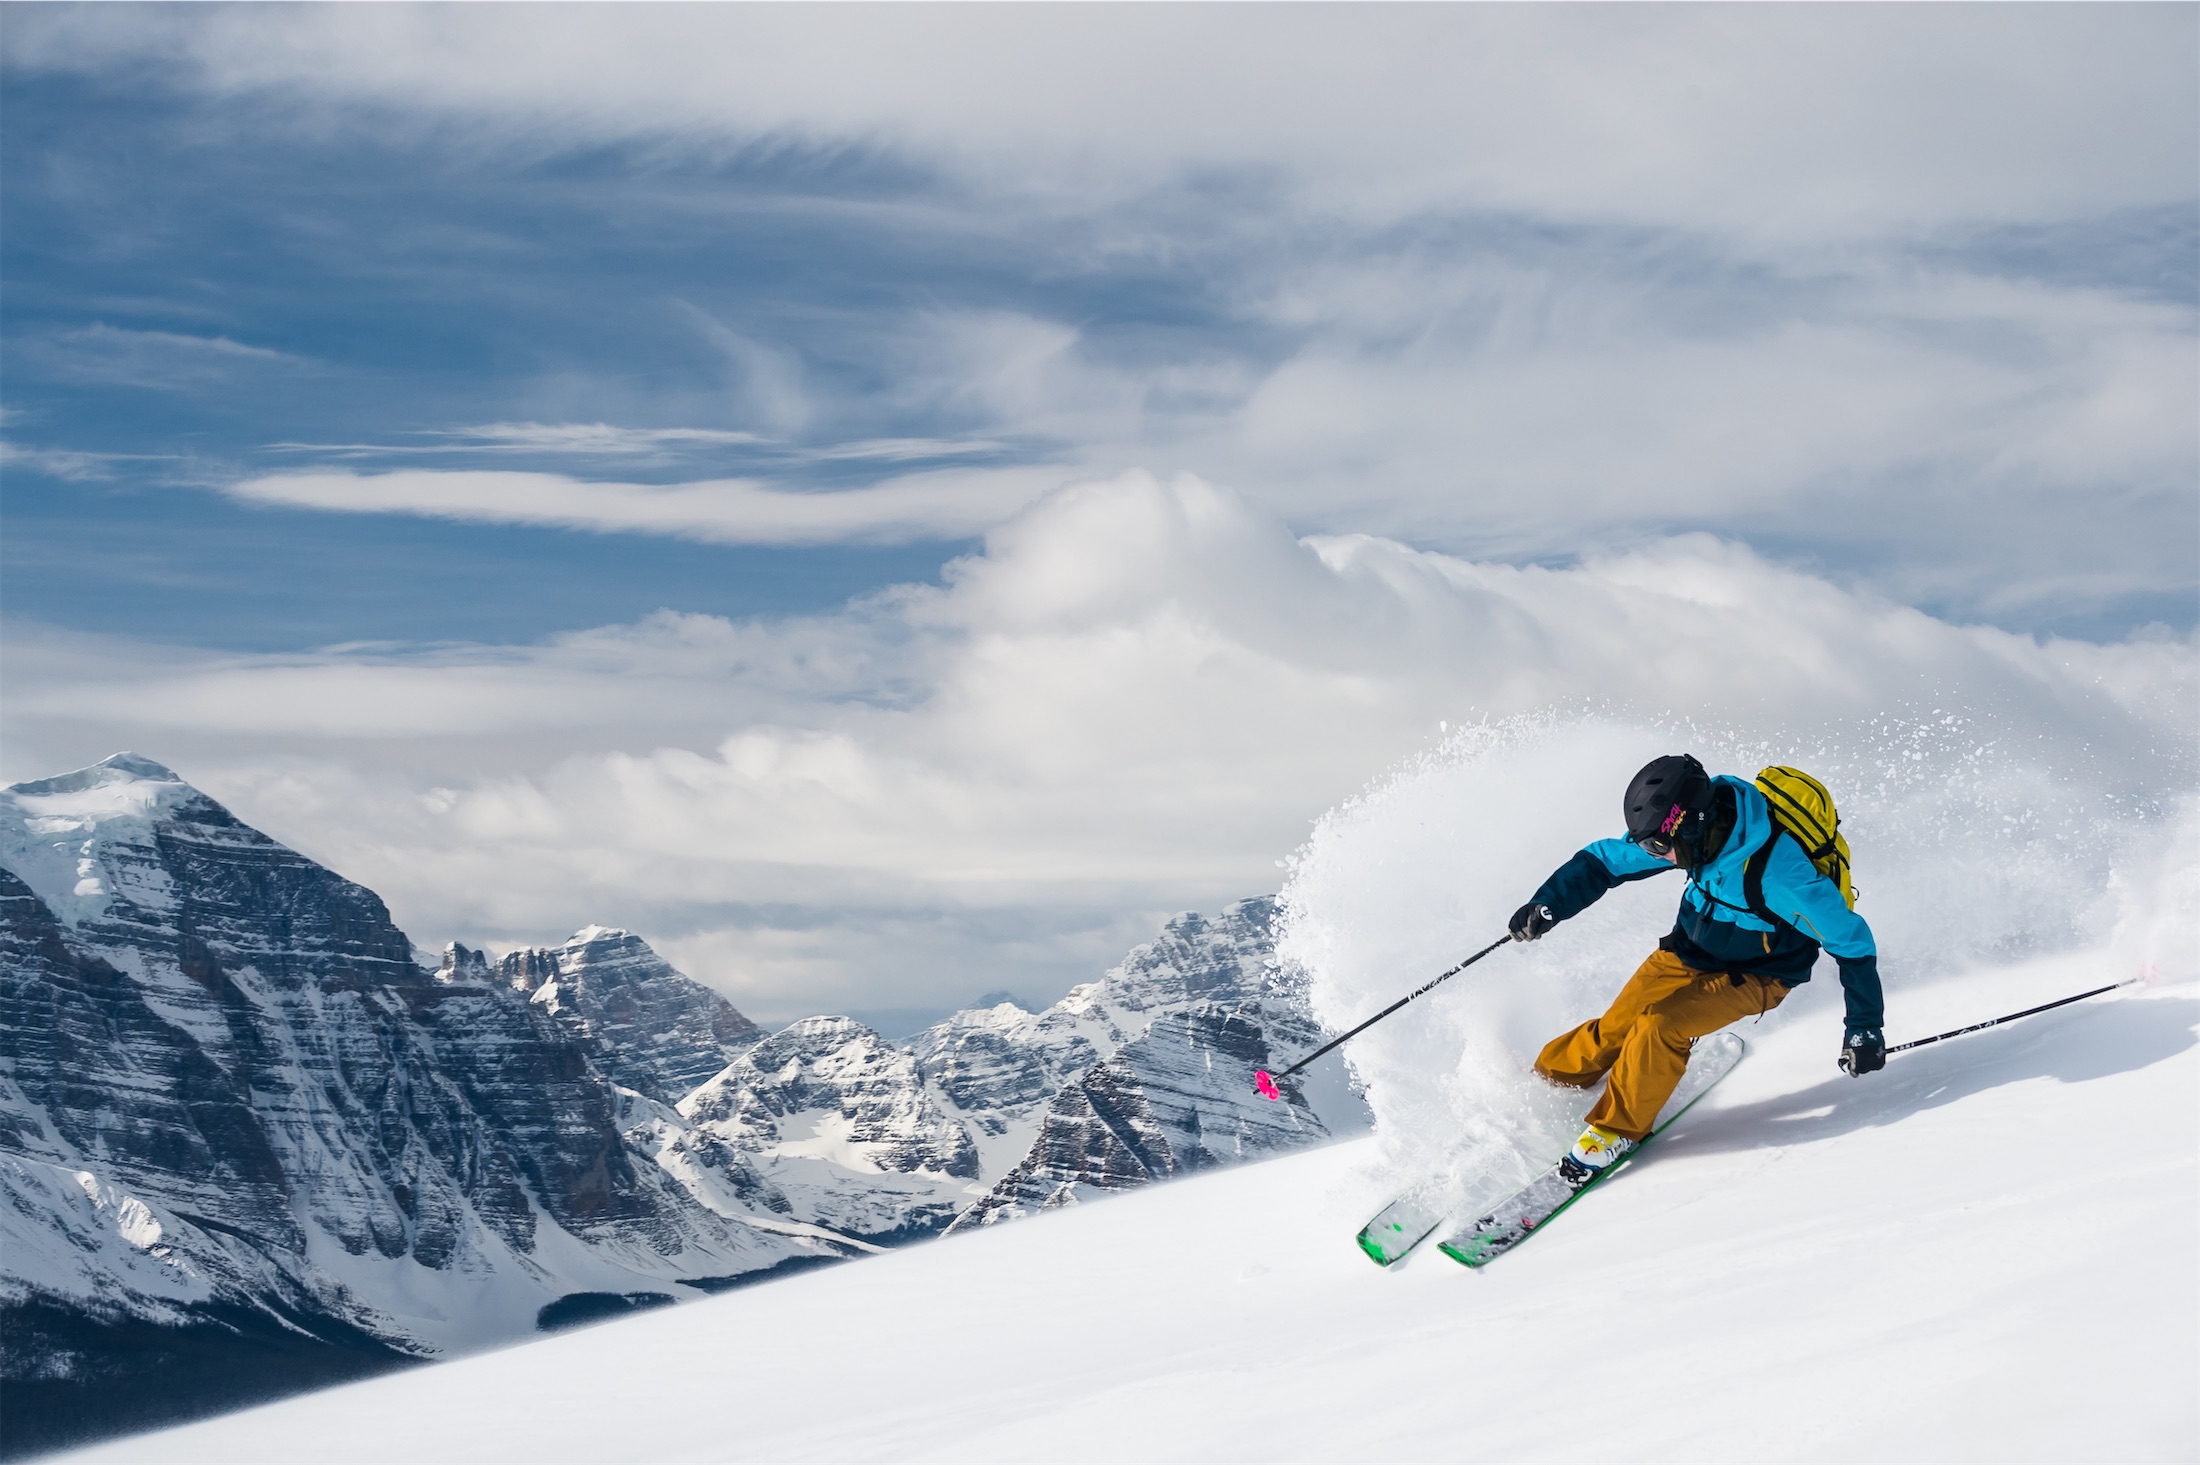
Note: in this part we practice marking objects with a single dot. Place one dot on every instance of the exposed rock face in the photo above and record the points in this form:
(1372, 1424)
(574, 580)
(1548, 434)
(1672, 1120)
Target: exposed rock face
(653, 1030)
(238, 1123)
(996, 1112)
(1179, 1095)
(226, 1090)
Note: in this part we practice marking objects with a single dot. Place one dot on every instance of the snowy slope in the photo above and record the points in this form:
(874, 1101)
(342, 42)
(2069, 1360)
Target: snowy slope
(1987, 1252)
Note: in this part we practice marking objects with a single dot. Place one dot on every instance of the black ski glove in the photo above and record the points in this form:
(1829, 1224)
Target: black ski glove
(1531, 921)
(1862, 1051)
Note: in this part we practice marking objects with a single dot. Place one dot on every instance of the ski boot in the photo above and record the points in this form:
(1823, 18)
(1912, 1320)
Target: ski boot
(1596, 1151)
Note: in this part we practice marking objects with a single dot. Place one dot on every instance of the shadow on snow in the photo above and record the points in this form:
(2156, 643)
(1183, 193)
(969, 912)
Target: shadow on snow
(2073, 1047)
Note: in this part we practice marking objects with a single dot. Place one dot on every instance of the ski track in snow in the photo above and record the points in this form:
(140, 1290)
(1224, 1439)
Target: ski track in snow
(1990, 1251)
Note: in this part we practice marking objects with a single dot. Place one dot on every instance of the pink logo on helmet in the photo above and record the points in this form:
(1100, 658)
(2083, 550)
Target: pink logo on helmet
(1673, 820)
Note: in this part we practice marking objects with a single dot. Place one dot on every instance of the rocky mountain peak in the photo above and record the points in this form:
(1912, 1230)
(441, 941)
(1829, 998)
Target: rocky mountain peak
(657, 1031)
(828, 1123)
(119, 768)
(83, 839)
(463, 964)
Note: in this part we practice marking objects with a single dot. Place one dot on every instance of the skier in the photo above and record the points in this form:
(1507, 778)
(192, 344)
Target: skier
(1721, 962)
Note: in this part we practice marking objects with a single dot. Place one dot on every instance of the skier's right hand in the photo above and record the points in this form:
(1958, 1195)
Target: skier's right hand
(1531, 921)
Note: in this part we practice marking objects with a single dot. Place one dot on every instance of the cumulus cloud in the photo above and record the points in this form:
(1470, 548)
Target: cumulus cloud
(1135, 699)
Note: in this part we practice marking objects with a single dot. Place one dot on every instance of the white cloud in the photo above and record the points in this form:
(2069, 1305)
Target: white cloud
(767, 386)
(1606, 402)
(2007, 448)
(1135, 700)
(1504, 281)
(68, 464)
(579, 439)
(162, 360)
(2001, 448)
(907, 449)
(1759, 120)
(944, 504)
(1514, 282)
(653, 445)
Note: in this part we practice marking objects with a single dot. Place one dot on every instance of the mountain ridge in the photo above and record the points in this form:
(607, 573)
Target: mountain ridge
(317, 1136)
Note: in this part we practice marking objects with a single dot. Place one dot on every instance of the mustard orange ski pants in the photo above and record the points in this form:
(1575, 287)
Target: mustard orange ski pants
(1642, 1039)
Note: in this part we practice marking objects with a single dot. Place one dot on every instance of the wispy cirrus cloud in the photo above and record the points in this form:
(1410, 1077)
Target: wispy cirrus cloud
(606, 440)
(160, 360)
(580, 439)
(69, 464)
(941, 505)
(590, 437)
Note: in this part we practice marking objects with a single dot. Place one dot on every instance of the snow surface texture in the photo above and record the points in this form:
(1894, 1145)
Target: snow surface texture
(1967, 854)
(1990, 1251)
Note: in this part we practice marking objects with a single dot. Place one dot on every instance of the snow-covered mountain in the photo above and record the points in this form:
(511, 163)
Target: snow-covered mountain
(1181, 1026)
(1143, 1074)
(237, 1119)
(653, 1029)
(248, 1142)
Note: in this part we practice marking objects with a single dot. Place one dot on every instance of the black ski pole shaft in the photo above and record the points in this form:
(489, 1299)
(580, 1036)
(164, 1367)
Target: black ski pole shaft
(2012, 1017)
(1378, 1017)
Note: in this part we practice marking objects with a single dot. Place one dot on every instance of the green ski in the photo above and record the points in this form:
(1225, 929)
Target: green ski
(1413, 1217)
(1533, 1207)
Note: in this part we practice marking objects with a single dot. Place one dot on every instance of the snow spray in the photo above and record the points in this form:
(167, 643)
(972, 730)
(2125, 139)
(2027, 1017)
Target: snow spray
(1975, 846)
(1267, 1085)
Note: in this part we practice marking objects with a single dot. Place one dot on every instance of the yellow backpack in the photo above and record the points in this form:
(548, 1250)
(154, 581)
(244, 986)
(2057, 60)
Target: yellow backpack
(1800, 807)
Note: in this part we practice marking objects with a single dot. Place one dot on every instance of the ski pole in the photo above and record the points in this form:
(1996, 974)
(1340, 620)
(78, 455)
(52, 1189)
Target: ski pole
(1266, 1083)
(2012, 1017)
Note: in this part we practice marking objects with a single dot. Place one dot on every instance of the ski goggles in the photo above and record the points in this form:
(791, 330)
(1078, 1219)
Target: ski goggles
(1661, 843)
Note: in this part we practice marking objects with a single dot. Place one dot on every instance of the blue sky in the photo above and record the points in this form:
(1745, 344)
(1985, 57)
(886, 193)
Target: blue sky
(204, 289)
(377, 346)
(190, 295)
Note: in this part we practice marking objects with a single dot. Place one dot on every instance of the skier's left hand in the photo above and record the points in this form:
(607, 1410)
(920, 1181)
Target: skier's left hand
(1531, 921)
(1863, 1051)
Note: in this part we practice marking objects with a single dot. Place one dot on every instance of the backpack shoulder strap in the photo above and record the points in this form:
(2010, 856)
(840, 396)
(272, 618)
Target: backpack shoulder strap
(1753, 881)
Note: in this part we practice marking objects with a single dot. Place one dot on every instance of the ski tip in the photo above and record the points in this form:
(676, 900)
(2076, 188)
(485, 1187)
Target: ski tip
(1266, 1085)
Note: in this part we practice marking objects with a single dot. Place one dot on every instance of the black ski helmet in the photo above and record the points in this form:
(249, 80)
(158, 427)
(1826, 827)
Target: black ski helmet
(1669, 801)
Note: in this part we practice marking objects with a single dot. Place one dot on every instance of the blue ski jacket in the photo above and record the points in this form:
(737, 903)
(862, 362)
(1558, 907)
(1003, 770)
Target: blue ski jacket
(1717, 931)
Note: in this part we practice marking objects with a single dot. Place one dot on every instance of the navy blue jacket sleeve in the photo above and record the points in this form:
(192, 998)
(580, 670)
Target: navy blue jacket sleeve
(1796, 893)
(1577, 884)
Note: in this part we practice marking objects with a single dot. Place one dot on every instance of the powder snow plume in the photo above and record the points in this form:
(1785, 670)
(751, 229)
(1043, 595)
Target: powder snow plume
(1969, 851)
